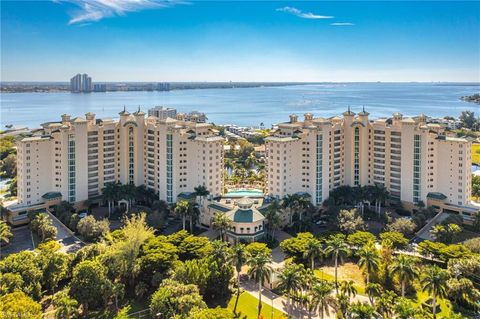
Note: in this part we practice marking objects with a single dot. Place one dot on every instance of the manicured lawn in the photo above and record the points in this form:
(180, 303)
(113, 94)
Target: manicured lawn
(476, 153)
(347, 271)
(247, 308)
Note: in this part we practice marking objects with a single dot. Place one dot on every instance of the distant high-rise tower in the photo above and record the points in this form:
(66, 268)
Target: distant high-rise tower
(76, 84)
(81, 83)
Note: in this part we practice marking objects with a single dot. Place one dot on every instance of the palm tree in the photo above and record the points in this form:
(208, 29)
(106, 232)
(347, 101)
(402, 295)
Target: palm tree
(5, 232)
(322, 297)
(221, 223)
(289, 282)
(272, 217)
(368, 260)
(385, 303)
(118, 290)
(362, 310)
(404, 308)
(313, 250)
(193, 213)
(251, 161)
(348, 289)
(434, 282)
(201, 191)
(405, 267)
(181, 209)
(337, 248)
(239, 259)
(109, 195)
(260, 270)
(41, 222)
(373, 291)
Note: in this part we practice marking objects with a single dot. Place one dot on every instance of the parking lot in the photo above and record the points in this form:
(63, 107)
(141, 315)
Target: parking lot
(21, 240)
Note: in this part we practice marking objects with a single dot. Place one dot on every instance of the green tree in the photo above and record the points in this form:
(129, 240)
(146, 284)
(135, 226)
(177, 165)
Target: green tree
(289, 281)
(404, 308)
(446, 233)
(361, 310)
(405, 268)
(201, 191)
(18, 305)
(337, 248)
(181, 210)
(360, 238)
(239, 258)
(273, 218)
(368, 259)
(54, 265)
(373, 291)
(91, 229)
(296, 246)
(313, 251)
(434, 282)
(173, 298)
(5, 233)
(402, 225)
(65, 306)
(260, 270)
(88, 284)
(24, 264)
(10, 283)
(42, 225)
(211, 313)
(322, 297)
(349, 221)
(221, 223)
(468, 119)
(394, 238)
(125, 252)
(123, 313)
(347, 288)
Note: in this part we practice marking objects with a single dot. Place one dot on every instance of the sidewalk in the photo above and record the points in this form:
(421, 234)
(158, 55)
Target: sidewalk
(65, 237)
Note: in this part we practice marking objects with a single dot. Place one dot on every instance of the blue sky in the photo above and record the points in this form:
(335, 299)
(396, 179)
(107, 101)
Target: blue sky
(149, 40)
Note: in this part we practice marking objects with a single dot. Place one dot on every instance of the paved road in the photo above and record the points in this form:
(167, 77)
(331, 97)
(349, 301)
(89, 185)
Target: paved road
(21, 240)
(65, 237)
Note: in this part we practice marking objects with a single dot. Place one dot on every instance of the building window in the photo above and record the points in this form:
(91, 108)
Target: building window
(71, 168)
(319, 169)
(169, 169)
(356, 157)
(416, 168)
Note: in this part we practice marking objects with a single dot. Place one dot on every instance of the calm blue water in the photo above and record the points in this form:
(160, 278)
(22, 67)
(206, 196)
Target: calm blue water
(248, 106)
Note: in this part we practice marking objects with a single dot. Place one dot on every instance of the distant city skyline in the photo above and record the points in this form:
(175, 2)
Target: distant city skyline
(159, 41)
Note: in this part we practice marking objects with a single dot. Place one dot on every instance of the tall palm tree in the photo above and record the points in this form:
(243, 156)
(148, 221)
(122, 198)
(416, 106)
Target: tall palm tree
(108, 193)
(373, 291)
(337, 248)
(322, 297)
(368, 260)
(290, 281)
(221, 223)
(405, 267)
(313, 251)
(201, 191)
(272, 218)
(239, 258)
(5, 233)
(181, 209)
(434, 282)
(260, 270)
(348, 289)
(193, 213)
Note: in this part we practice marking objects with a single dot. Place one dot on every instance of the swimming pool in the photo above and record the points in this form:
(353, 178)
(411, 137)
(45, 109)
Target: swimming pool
(244, 192)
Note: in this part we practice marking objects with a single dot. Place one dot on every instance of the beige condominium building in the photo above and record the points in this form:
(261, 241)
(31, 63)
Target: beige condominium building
(416, 161)
(73, 159)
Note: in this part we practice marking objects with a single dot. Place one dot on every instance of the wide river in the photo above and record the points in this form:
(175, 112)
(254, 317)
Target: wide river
(248, 106)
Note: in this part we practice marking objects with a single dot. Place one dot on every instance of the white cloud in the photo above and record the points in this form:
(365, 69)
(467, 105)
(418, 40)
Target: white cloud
(305, 15)
(90, 11)
(341, 23)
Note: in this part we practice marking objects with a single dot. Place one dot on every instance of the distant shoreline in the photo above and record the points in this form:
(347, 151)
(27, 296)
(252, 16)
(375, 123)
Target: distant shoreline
(64, 87)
